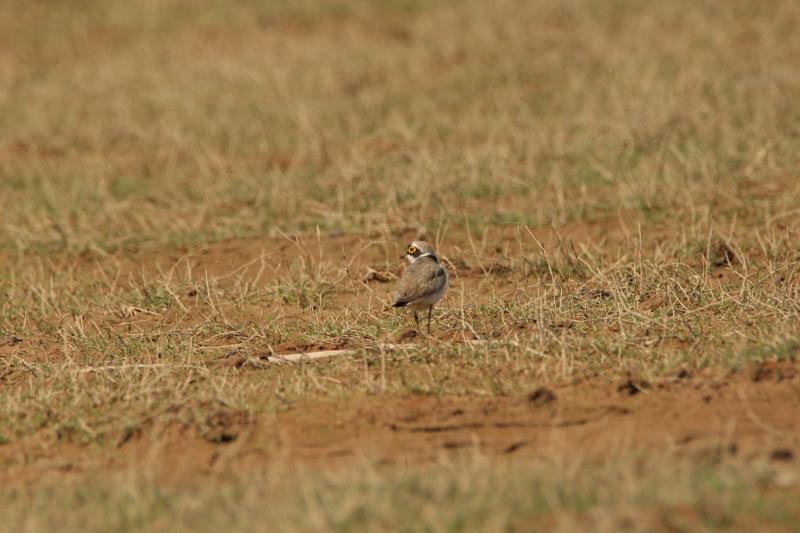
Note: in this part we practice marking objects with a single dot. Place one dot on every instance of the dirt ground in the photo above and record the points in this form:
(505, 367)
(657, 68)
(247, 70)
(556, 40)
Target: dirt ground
(190, 189)
(750, 413)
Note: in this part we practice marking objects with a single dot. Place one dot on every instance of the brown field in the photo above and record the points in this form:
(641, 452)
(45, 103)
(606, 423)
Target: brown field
(191, 188)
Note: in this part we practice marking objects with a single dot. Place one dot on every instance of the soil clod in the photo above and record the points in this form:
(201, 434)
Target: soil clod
(542, 396)
(782, 454)
(722, 254)
(515, 446)
(632, 387)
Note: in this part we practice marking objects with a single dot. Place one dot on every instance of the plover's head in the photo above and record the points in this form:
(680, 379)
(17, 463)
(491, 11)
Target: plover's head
(418, 249)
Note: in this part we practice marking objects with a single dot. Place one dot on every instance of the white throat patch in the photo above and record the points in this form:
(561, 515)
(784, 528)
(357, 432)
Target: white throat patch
(412, 258)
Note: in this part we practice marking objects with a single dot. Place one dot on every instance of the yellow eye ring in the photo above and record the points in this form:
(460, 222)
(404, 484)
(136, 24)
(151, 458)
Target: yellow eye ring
(412, 250)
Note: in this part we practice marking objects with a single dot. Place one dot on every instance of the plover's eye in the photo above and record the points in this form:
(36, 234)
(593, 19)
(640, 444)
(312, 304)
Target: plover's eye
(412, 250)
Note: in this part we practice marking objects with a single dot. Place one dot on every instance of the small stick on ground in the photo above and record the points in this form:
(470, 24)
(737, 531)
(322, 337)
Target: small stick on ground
(324, 354)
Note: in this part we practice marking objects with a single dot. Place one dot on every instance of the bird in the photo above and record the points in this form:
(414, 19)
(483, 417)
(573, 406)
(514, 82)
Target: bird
(423, 283)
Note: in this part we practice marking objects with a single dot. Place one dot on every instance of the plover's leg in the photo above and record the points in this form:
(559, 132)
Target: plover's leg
(430, 312)
(416, 320)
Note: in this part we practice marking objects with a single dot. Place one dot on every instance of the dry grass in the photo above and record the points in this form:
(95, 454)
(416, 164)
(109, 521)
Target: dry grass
(186, 187)
(468, 496)
(133, 126)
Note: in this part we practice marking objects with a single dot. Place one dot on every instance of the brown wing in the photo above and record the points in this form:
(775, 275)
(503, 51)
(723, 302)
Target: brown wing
(422, 277)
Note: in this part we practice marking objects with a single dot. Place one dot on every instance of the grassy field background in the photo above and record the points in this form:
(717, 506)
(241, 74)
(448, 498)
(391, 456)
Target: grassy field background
(188, 187)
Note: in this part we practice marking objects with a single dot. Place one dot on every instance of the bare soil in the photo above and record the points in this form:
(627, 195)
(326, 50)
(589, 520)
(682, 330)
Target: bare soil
(750, 413)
